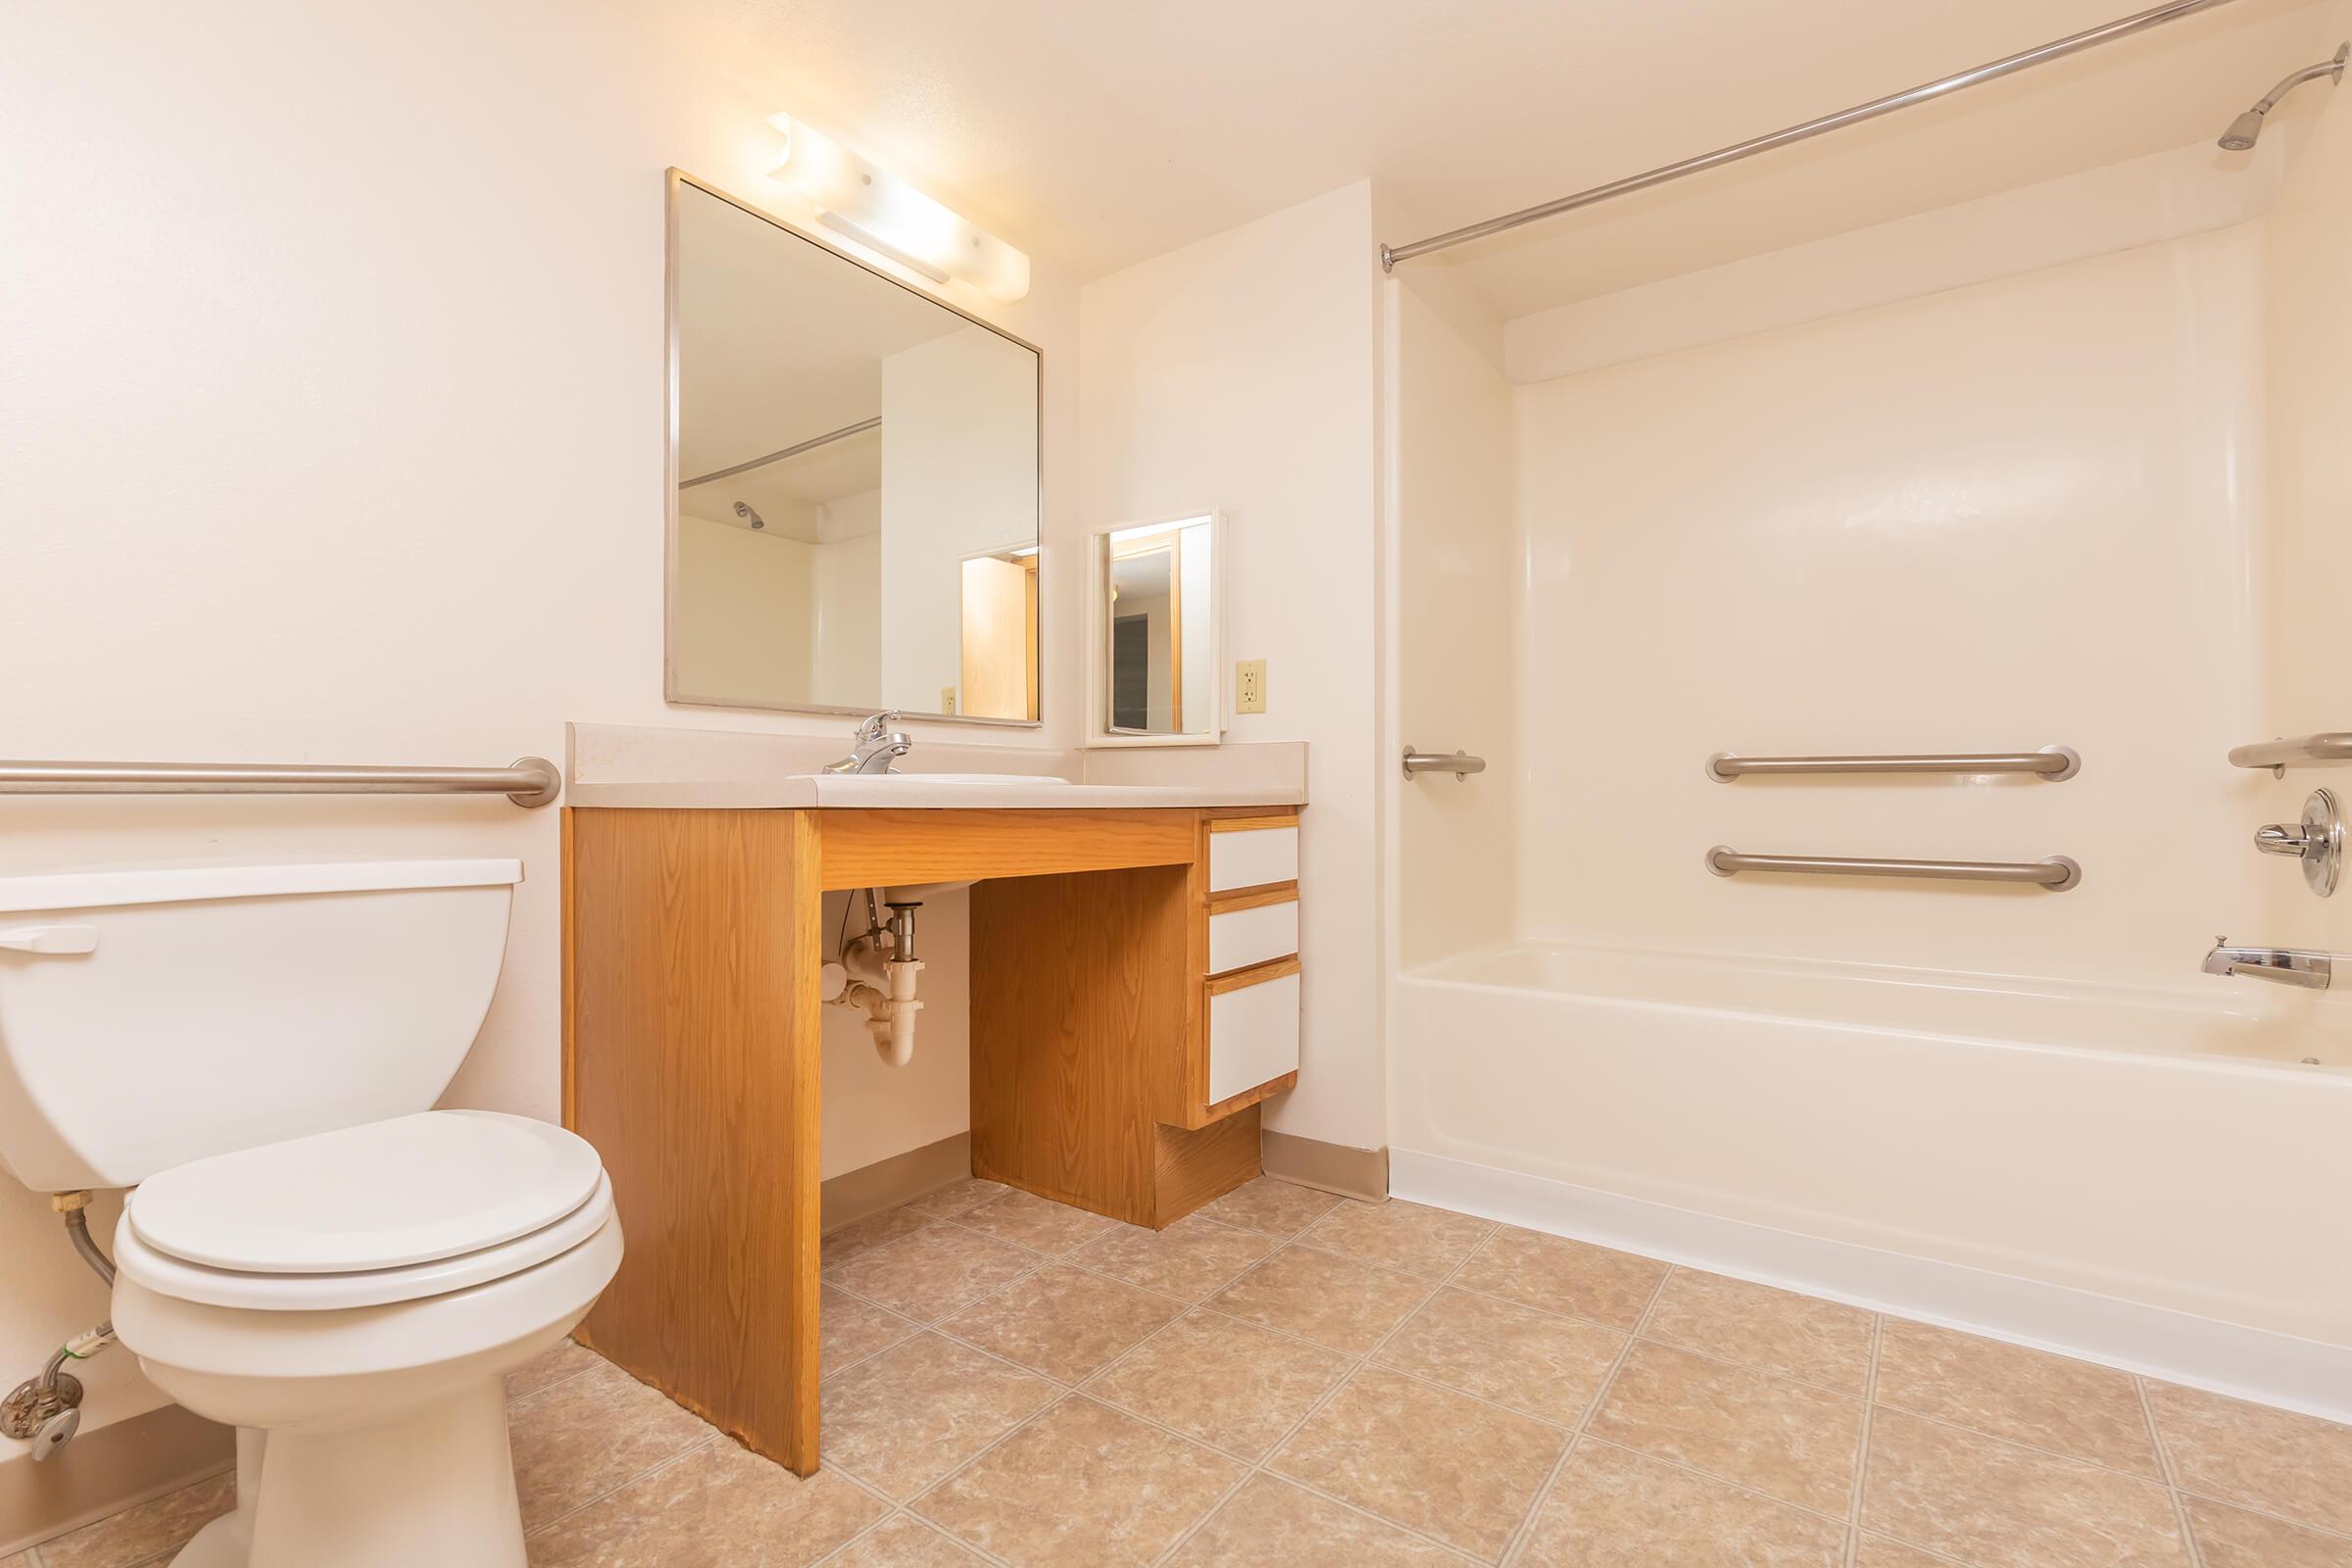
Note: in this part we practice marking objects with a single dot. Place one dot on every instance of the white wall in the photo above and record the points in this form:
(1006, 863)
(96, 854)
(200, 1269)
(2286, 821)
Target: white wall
(1239, 372)
(1455, 589)
(333, 383)
(958, 430)
(2002, 516)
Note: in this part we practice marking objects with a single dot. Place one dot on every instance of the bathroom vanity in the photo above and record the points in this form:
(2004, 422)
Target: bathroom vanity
(1134, 986)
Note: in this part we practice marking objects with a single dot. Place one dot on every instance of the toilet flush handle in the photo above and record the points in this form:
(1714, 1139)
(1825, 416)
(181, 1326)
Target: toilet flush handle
(50, 939)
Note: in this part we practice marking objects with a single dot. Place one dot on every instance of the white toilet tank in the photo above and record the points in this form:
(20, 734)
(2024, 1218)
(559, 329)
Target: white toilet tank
(154, 1016)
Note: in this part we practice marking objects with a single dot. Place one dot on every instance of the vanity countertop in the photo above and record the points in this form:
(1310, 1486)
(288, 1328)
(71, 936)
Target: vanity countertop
(644, 768)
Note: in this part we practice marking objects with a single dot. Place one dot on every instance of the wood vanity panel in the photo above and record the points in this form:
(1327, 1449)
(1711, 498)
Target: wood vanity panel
(1079, 997)
(692, 1059)
(877, 848)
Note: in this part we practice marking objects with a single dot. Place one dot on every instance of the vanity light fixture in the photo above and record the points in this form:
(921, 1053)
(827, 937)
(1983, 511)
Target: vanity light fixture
(880, 211)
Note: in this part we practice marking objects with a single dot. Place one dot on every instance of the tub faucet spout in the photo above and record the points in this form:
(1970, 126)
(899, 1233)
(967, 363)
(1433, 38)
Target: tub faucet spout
(2289, 966)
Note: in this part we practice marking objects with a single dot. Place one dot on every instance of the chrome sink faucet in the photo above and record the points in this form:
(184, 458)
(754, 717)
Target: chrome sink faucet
(878, 746)
(2289, 966)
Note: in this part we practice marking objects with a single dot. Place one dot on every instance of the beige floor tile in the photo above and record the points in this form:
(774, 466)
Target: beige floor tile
(2231, 1537)
(938, 1270)
(1062, 1321)
(1787, 1440)
(1037, 1223)
(1877, 1551)
(1776, 1331)
(1559, 1275)
(906, 1542)
(1403, 1236)
(1277, 1208)
(1532, 1362)
(1425, 1458)
(1272, 1523)
(1222, 1382)
(718, 1507)
(955, 1197)
(1331, 1301)
(850, 1328)
(579, 1438)
(137, 1536)
(1193, 1259)
(2295, 1465)
(18, 1559)
(2029, 1396)
(1614, 1509)
(1083, 1486)
(1994, 1504)
(911, 1414)
(551, 1367)
(864, 1234)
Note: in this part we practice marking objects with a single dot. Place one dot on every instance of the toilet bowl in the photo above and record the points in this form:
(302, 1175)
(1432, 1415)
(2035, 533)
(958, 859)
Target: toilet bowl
(311, 1254)
(352, 1301)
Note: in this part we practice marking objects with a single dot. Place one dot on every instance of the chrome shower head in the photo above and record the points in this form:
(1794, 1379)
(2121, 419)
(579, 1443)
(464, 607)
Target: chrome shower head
(743, 509)
(2242, 132)
(2246, 128)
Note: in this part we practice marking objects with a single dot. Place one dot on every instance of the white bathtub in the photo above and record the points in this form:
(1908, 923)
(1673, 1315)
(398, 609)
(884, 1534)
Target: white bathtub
(2151, 1178)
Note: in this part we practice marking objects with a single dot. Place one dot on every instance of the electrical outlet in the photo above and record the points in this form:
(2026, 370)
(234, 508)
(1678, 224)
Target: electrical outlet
(947, 699)
(1249, 686)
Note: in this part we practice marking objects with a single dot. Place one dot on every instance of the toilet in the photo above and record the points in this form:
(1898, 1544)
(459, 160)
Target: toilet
(312, 1255)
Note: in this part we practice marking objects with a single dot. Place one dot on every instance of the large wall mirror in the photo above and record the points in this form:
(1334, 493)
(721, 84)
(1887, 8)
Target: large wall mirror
(855, 520)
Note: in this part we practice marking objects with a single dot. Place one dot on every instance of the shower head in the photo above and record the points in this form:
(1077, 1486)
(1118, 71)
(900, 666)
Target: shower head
(2242, 131)
(2246, 128)
(743, 509)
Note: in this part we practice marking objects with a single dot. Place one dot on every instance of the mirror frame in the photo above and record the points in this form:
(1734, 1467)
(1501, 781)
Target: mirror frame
(1099, 732)
(675, 181)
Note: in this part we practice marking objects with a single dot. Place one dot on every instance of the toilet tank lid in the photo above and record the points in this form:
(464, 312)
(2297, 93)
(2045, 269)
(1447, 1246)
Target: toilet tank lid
(181, 884)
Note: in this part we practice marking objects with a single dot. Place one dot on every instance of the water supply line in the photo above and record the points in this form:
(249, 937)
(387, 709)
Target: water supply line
(46, 1410)
(877, 970)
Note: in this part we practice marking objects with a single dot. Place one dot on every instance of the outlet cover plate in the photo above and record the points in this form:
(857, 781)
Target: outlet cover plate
(1249, 686)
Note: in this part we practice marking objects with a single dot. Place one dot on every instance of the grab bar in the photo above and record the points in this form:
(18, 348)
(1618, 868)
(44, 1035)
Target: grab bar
(2052, 762)
(2057, 872)
(1462, 764)
(2304, 750)
(527, 781)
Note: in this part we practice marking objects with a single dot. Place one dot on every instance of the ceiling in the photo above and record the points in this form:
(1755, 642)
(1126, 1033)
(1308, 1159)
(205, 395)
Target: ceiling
(1096, 135)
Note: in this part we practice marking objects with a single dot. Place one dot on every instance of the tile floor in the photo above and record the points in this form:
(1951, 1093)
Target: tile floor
(1290, 1380)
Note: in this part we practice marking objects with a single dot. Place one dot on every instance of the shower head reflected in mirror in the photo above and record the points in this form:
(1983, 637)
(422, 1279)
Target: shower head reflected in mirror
(743, 509)
(2246, 128)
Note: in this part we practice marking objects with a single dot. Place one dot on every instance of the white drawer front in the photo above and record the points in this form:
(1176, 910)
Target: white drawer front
(1239, 938)
(1252, 857)
(1252, 1036)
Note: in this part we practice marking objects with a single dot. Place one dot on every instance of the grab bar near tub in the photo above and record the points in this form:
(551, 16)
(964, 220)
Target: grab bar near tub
(2053, 763)
(2057, 872)
(526, 781)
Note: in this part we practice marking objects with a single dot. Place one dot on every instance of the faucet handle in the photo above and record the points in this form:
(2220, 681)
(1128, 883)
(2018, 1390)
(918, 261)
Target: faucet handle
(878, 726)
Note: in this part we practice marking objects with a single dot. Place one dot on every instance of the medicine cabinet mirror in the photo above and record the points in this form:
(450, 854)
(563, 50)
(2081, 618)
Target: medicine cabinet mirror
(854, 510)
(1158, 633)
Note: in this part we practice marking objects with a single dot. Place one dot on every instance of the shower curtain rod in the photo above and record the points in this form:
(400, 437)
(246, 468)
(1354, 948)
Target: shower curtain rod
(1391, 255)
(793, 450)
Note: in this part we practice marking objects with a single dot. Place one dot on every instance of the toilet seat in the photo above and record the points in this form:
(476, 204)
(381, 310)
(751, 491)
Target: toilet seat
(363, 1216)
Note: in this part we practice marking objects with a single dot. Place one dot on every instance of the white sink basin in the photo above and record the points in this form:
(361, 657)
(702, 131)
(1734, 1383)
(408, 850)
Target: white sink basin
(926, 780)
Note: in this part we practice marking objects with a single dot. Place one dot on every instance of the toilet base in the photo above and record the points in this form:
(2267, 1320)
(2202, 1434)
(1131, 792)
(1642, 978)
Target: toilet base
(431, 1484)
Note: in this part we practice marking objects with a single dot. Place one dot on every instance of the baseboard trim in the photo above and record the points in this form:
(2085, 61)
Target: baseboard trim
(2256, 1364)
(1331, 1167)
(107, 1469)
(901, 1179)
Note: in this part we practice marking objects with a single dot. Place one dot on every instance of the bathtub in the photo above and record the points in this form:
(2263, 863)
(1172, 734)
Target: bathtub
(2153, 1177)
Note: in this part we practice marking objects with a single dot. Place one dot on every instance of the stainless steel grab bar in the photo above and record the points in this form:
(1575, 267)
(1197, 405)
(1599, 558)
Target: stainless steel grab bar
(2052, 762)
(2334, 747)
(1462, 764)
(528, 781)
(2057, 872)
